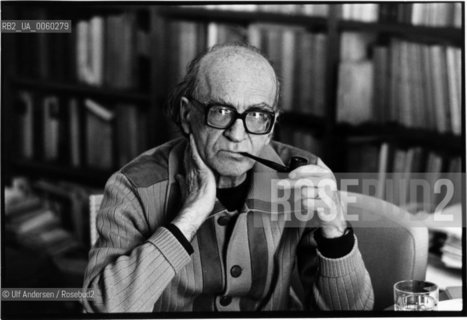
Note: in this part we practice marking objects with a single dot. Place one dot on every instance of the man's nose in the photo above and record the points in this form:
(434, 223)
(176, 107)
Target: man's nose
(236, 132)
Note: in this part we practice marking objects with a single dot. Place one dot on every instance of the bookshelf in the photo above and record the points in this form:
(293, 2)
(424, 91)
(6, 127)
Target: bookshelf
(168, 36)
(80, 89)
(332, 26)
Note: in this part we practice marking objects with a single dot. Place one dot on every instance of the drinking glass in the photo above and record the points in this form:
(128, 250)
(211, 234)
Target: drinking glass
(415, 295)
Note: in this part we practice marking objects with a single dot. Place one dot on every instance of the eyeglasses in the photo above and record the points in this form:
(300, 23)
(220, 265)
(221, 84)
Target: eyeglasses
(256, 120)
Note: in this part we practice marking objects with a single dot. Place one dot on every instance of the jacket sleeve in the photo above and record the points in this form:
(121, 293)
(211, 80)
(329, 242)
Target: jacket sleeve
(130, 265)
(333, 284)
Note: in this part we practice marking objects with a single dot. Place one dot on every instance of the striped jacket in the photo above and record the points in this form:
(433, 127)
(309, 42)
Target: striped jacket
(137, 265)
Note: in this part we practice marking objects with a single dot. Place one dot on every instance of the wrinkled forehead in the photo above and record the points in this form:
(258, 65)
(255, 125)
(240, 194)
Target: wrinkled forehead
(237, 76)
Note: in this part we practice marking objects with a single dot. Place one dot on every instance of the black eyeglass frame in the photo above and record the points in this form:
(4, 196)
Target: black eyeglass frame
(237, 115)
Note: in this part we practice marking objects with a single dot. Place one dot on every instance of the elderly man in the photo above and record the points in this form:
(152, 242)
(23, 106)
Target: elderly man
(187, 226)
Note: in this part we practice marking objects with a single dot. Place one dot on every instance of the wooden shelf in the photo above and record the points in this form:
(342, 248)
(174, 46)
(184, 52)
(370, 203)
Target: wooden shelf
(405, 136)
(417, 33)
(88, 176)
(242, 17)
(82, 89)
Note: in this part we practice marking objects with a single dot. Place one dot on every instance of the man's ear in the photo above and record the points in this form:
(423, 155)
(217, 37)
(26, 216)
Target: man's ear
(185, 115)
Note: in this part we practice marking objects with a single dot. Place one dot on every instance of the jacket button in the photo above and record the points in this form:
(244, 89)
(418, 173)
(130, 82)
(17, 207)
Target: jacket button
(225, 300)
(236, 271)
(223, 221)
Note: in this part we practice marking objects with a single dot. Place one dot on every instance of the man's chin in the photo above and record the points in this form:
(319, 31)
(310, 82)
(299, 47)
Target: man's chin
(231, 168)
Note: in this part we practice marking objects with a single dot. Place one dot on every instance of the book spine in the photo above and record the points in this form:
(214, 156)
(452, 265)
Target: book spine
(51, 122)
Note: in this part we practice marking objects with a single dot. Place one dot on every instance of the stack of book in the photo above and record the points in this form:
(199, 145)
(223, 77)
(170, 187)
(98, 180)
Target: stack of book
(355, 80)
(113, 134)
(413, 84)
(52, 219)
(32, 224)
(299, 59)
(314, 10)
(451, 254)
(187, 40)
(297, 55)
(366, 12)
(399, 172)
(103, 42)
(443, 14)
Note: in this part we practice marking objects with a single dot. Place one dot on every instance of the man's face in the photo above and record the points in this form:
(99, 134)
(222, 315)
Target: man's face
(242, 82)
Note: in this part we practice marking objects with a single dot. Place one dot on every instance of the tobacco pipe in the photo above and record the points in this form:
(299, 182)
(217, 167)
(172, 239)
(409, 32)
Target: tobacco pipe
(294, 162)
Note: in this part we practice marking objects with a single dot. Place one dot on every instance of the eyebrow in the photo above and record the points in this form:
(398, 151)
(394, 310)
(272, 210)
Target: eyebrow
(262, 105)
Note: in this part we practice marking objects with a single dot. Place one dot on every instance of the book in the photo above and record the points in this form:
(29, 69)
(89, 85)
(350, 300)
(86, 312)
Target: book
(254, 34)
(144, 44)
(405, 103)
(120, 49)
(193, 39)
(188, 45)
(455, 175)
(454, 292)
(83, 49)
(288, 73)
(453, 58)
(418, 13)
(354, 46)
(318, 74)
(51, 127)
(34, 221)
(218, 33)
(438, 65)
(381, 84)
(383, 165)
(25, 205)
(315, 10)
(367, 12)
(271, 44)
(131, 132)
(420, 114)
(112, 31)
(26, 124)
(362, 156)
(434, 166)
(457, 13)
(397, 193)
(354, 93)
(75, 132)
(99, 135)
(428, 89)
(96, 54)
(303, 90)
(452, 251)
(78, 197)
(412, 169)
(394, 71)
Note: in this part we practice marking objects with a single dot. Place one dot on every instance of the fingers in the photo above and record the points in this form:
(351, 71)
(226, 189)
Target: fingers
(309, 170)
